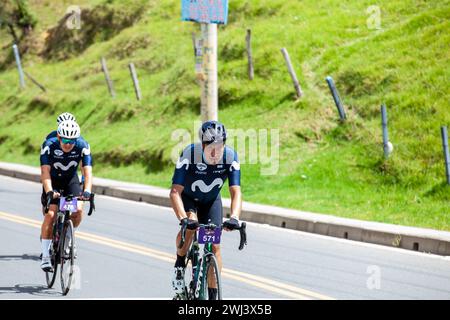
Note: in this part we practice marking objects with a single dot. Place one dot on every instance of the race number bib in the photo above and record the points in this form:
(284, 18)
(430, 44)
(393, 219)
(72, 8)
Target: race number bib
(209, 236)
(68, 205)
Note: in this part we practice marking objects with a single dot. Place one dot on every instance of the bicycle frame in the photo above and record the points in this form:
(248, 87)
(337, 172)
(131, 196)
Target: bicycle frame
(196, 286)
(62, 216)
(199, 264)
(61, 224)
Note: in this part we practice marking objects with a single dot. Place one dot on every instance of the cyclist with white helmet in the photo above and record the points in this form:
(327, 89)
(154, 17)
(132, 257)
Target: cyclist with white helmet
(200, 174)
(62, 117)
(60, 158)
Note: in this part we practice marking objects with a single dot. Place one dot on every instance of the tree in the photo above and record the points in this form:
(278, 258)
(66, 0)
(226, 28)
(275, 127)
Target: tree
(15, 13)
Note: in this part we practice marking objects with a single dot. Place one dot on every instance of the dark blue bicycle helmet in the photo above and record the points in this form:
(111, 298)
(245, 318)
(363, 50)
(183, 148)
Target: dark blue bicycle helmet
(212, 131)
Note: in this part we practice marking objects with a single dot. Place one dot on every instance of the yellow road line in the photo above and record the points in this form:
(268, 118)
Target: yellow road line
(273, 283)
(277, 287)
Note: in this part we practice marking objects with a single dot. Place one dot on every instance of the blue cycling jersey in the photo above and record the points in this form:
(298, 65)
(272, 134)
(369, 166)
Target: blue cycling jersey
(65, 165)
(202, 181)
(51, 135)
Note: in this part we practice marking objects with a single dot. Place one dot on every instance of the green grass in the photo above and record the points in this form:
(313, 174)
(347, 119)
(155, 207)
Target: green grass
(324, 166)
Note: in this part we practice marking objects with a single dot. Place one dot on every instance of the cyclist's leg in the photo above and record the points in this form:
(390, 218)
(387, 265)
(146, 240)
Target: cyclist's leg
(214, 214)
(47, 225)
(49, 217)
(178, 281)
(191, 207)
(47, 230)
(73, 187)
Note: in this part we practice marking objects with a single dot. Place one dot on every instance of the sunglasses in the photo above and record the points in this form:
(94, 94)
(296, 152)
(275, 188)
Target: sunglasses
(68, 141)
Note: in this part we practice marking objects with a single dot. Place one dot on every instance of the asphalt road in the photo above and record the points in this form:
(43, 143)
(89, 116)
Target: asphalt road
(126, 250)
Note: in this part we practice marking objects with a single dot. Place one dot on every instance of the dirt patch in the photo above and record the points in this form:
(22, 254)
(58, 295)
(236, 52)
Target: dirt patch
(121, 114)
(41, 103)
(87, 72)
(3, 139)
(126, 48)
(252, 10)
(29, 148)
(152, 160)
(100, 23)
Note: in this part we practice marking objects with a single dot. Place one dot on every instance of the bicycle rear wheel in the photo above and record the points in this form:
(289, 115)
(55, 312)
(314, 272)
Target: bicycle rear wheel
(51, 276)
(67, 243)
(212, 271)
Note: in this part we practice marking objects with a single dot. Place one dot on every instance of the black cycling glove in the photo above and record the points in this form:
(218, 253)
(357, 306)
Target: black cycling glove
(86, 195)
(231, 224)
(190, 224)
(49, 196)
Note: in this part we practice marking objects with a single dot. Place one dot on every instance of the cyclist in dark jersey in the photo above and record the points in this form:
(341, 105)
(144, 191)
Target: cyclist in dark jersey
(60, 158)
(53, 134)
(200, 174)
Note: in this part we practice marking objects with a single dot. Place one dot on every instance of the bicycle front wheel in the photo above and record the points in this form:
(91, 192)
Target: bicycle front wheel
(66, 251)
(212, 279)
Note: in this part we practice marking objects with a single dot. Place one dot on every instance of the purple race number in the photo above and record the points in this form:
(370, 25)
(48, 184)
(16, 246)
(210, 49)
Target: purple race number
(68, 205)
(209, 236)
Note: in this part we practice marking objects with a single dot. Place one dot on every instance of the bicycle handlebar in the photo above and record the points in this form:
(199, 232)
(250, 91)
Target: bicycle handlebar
(242, 232)
(91, 202)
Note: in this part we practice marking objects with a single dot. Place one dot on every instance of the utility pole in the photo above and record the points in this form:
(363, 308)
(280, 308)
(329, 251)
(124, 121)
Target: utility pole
(208, 13)
(209, 95)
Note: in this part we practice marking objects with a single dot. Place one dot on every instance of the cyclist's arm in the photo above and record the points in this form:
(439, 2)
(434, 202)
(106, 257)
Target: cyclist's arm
(45, 178)
(236, 201)
(87, 173)
(86, 165)
(175, 200)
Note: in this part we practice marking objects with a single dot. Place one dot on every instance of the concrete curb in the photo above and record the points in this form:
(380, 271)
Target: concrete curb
(417, 239)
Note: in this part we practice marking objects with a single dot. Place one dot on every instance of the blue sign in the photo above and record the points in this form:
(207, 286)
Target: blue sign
(205, 11)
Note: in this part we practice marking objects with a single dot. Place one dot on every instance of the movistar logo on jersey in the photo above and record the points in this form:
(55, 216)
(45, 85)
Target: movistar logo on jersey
(45, 150)
(59, 152)
(235, 165)
(201, 166)
(59, 165)
(206, 188)
(181, 163)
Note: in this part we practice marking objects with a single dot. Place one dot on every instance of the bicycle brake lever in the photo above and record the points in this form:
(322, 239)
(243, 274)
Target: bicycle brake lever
(183, 236)
(91, 204)
(243, 234)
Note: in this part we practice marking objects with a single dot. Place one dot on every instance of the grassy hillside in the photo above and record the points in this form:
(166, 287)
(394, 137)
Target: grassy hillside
(325, 166)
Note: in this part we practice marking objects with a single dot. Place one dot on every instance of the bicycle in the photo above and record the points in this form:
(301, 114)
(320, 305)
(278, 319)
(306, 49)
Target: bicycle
(63, 241)
(199, 267)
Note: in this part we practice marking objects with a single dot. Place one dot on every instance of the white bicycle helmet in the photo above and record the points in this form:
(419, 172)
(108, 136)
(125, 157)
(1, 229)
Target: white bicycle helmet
(69, 129)
(65, 116)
